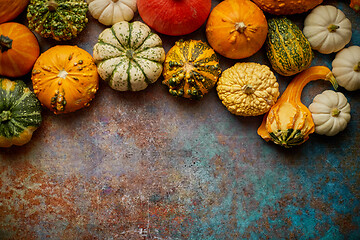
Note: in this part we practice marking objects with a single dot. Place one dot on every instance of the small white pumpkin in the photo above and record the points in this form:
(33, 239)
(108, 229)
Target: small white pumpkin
(327, 29)
(331, 112)
(129, 56)
(346, 68)
(109, 12)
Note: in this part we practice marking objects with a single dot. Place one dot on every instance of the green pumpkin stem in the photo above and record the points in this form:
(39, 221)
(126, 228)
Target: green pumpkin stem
(52, 5)
(333, 27)
(357, 67)
(335, 112)
(5, 43)
(130, 54)
(5, 116)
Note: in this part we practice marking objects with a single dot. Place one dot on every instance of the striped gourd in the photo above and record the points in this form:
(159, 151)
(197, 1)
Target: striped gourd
(129, 56)
(20, 113)
(191, 69)
(287, 48)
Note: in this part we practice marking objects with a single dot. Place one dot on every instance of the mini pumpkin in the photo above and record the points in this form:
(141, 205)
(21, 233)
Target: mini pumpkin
(331, 112)
(109, 12)
(236, 29)
(129, 56)
(58, 19)
(65, 78)
(20, 113)
(287, 7)
(346, 68)
(327, 29)
(248, 89)
(10, 9)
(191, 69)
(19, 49)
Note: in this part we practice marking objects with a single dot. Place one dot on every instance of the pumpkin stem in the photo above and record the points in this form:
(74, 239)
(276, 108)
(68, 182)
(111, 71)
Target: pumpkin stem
(357, 67)
(5, 116)
(115, 1)
(5, 43)
(130, 54)
(331, 78)
(52, 5)
(248, 89)
(240, 27)
(335, 112)
(333, 27)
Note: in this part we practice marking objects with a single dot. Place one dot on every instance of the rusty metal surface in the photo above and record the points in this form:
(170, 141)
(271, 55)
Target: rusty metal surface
(146, 165)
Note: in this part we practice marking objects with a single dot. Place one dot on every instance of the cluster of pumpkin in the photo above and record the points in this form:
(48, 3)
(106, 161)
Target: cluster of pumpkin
(129, 56)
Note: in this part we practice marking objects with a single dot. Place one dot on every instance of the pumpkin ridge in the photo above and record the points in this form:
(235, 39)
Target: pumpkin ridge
(19, 100)
(114, 34)
(108, 44)
(146, 38)
(144, 49)
(130, 35)
(142, 70)
(128, 75)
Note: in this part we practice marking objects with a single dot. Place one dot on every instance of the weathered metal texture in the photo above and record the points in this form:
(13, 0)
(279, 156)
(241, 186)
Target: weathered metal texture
(147, 165)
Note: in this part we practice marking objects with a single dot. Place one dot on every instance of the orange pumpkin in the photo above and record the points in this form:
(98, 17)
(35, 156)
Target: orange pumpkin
(355, 4)
(236, 28)
(19, 49)
(10, 9)
(287, 7)
(65, 78)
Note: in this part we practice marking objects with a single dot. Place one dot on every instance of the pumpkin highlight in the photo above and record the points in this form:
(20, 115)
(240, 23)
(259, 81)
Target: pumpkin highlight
(10, 9)
(287, 7)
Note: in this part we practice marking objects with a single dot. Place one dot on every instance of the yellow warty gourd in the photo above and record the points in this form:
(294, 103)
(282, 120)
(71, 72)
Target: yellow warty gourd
(248, 89)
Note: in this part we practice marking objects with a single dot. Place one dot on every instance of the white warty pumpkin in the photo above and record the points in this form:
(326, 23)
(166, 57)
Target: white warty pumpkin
(327, 29)
(129, 56)
(109, 12)
(331, 112)
(346, 68)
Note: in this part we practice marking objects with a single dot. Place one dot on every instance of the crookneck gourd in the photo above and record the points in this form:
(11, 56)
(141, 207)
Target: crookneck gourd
(57, 19)
(129, 56)
(65, 78)
(289, 122)
(248, 89)
(287, 48)
(20, 113)
(191, 69)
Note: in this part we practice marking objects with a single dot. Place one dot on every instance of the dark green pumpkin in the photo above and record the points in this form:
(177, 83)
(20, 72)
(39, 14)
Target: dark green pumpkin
(58, 19)
(20, 113)
(287, 48)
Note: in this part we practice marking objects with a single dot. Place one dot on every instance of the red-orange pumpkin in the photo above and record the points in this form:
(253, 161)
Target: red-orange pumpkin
(19, 49)
(10, 9)
(174, 17)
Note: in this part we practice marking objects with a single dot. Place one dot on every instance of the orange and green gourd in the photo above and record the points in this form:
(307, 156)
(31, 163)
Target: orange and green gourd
(20, 113)
(287, 48)
(289, 122)
(191, 69)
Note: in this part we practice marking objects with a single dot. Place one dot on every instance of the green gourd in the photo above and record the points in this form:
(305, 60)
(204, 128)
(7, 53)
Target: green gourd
(20, 113)
(57, 19)
(287, 48)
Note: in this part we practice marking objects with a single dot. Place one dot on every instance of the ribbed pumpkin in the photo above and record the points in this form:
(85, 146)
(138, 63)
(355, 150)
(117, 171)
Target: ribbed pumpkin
(57, 19)
(287, 7)
(129, 56)
(236, 28)
(10, 9)
(20, 113)
(19, 49)
(65, 78)
(191, 69)
(287, 48)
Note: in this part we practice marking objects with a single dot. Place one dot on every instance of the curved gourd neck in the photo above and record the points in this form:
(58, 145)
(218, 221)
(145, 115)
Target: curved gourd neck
(296, 86)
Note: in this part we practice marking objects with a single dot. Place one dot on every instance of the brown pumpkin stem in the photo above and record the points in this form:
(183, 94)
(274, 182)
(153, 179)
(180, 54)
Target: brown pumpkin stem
(115, 1)
(5, 43)
(52, 5)
(335, 112)
(5, 116)
(247, 89)
(357, 67)
(333, 27)
(240, 27)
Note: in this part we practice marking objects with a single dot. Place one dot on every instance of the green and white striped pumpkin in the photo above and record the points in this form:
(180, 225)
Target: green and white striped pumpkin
(287, 48)
(20, 113)
(129, 56)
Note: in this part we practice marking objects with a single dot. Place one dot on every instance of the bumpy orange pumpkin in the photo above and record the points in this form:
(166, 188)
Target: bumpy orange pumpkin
(65, 78)
(236, 28)
(19, 49)
(287, 7)
(10, 9)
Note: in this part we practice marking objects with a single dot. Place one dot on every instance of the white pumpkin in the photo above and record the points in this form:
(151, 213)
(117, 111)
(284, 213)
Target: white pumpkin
(129, 56)
(346, 68)
(327, 29)
(109, 12)
(331, 112)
